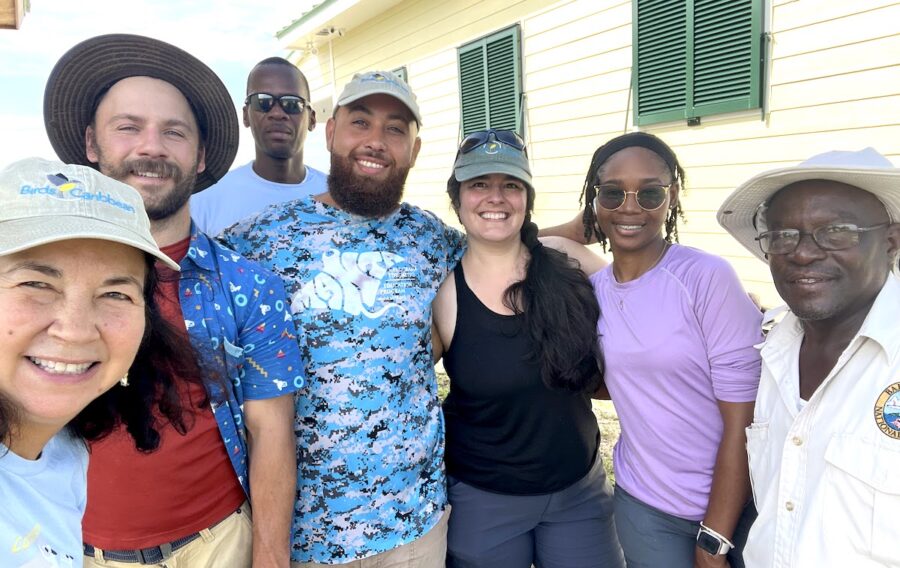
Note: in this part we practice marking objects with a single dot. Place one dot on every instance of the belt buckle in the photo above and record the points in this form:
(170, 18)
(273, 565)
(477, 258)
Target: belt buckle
(154, 555)
(165, 550)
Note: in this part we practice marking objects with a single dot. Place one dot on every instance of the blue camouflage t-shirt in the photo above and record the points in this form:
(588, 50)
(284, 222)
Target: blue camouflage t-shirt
(369, 425)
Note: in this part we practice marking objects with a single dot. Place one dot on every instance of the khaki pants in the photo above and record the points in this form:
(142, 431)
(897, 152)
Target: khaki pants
(229, 544)
(427, 551)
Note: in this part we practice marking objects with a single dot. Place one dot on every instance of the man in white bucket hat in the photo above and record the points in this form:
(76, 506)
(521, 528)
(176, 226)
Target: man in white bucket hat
(824, 446)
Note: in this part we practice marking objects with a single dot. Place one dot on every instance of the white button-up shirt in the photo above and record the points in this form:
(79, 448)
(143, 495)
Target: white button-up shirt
(826, 473)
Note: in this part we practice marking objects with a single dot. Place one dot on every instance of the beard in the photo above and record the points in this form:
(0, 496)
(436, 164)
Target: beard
(361, 195)
(159, 206)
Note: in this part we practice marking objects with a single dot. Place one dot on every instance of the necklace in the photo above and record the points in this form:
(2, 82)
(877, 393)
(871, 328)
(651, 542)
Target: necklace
(621, 296)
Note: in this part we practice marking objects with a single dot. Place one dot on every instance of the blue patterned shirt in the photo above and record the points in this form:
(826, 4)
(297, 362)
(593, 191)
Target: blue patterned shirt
(369, 428)
(236, 315)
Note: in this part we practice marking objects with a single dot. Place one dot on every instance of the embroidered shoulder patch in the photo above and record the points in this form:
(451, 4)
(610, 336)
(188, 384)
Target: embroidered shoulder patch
(887, 411)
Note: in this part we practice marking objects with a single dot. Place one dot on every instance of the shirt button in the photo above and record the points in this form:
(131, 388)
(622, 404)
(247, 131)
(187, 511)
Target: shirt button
(789, 505)
(798, 441)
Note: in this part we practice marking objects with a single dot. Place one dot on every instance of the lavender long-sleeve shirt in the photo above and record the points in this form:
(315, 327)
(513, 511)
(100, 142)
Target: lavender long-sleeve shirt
(675, 341)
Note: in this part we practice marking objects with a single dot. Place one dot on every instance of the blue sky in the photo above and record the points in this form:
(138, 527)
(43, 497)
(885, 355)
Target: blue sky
(228, 35)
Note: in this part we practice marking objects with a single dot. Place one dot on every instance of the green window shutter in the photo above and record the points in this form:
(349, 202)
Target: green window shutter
(726, 61)
(660, 60)
(472, 92)
(696, 58)
(490, 84)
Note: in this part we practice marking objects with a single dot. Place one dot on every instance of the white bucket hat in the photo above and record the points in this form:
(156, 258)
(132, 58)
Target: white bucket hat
(44, 201)
(866, 169)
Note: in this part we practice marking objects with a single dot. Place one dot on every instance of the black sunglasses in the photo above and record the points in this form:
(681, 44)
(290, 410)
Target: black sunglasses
(481, 137)
(264, 102)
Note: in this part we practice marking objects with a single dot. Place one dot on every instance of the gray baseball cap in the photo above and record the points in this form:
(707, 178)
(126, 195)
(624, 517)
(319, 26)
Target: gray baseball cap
(43, 201)
(384, 83)
(492, 157)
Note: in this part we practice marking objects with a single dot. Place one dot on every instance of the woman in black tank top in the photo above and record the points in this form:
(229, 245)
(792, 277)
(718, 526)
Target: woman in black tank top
(516, 326)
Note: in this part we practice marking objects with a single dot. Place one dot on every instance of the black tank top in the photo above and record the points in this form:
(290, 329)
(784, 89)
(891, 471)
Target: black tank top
(506, 431)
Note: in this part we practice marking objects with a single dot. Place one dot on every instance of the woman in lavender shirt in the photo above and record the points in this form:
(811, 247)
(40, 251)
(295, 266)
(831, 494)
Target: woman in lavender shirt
(678, 333)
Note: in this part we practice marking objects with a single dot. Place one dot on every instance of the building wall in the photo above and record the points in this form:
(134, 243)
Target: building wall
(833, 83)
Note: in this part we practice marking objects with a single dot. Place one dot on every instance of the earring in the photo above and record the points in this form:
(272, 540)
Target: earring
(124, 380)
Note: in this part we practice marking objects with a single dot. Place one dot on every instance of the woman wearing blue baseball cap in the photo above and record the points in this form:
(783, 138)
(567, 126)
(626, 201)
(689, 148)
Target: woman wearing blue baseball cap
(516, 324)
(79, 328)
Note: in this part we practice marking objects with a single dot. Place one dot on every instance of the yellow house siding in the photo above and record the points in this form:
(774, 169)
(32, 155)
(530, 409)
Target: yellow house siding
(833, 83)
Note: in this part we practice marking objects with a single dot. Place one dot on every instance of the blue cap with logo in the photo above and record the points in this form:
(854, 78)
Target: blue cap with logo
(43, 201)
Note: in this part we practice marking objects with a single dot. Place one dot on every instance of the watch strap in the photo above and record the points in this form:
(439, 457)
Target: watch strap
(724, 544)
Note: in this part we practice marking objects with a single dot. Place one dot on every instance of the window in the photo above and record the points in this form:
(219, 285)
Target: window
(695, 58)
(490, 82)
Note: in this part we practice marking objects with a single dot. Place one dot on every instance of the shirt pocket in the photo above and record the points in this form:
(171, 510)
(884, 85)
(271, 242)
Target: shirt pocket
(757, 457)
(862, 495)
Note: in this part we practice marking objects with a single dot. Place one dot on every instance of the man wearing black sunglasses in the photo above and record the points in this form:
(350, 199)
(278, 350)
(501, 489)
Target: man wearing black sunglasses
(278, 113)
(824, 445)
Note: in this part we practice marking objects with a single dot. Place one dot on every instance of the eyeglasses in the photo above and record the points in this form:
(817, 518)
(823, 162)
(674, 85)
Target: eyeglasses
(481, 137)
(264, 102)
(650, 198)
(839, 236)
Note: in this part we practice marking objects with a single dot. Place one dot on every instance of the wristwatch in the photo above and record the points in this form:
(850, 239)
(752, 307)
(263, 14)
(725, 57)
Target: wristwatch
(712, 542)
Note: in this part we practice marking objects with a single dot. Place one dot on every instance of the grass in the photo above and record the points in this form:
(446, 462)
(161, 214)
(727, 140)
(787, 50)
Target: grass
(603, 410)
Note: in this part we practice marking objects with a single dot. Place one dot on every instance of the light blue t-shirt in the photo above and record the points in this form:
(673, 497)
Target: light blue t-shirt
(369, 427)
(41, 505)
(242, 193)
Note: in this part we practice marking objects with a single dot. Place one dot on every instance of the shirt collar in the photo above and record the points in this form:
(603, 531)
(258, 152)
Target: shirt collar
(200, 252)
(880, 324)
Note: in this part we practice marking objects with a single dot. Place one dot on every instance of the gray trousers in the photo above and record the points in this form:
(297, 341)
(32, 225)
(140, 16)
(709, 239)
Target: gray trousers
(651, 538)
(571, 528)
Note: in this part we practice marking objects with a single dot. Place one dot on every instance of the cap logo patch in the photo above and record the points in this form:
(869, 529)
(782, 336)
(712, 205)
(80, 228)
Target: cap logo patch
(62, 182)
(492, 147)
(887, 411)
(61, 187)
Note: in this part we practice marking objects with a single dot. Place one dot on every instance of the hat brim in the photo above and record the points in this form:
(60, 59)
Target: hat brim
(94, 65)
(22, 234)
(736, 215)
(479, 169)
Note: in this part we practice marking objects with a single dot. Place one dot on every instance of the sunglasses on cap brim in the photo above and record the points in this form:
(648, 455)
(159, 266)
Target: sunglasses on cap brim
(481, 137)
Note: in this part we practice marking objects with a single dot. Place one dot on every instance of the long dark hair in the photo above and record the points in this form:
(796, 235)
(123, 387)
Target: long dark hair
(602, 154)
(163, 353)
(558, 307)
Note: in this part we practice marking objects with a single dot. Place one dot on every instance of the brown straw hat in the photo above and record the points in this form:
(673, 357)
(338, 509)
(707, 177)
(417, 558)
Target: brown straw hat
(89, 69)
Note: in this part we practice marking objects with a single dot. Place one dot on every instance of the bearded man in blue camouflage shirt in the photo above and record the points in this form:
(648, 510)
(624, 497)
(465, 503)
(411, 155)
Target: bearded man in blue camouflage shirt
(361, 269)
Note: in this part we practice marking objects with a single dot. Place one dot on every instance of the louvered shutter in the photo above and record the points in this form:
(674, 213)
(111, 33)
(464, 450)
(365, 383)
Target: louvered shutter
(660, 55)
(490, 82)
(726, 61)
(695, 58)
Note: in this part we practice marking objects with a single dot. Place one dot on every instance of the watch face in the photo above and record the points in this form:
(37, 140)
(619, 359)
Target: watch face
(708, 542)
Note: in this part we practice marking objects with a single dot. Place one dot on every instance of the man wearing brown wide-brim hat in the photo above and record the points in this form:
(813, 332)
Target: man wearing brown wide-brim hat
(153, 116)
